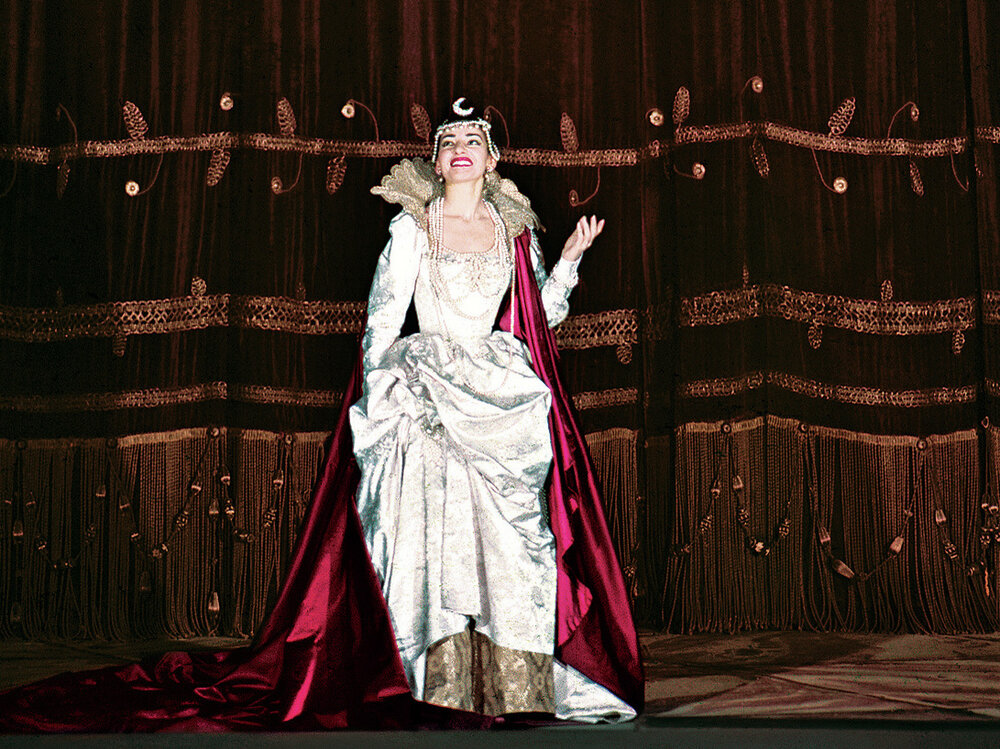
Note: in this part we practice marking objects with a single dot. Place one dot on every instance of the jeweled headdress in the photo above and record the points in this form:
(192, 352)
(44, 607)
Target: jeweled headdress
(462, 113)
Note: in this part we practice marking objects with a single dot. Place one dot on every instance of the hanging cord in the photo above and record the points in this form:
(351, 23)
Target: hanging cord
(17, 512)
(989, 508)
(819, 524)
(894, 547)
(158, 551)
(753, 542)
(679, 554)
(63, 564)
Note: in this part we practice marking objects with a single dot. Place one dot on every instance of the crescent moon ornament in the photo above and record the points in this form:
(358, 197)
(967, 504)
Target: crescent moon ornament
(458, 109)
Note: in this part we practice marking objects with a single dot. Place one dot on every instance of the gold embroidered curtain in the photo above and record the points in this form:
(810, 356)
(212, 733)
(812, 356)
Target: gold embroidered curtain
(780, 347)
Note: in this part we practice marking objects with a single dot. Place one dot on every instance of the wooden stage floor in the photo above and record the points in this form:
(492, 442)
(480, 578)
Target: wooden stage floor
(751, 689)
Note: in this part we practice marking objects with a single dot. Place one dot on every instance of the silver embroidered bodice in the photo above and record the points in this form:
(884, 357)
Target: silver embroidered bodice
(456, 295)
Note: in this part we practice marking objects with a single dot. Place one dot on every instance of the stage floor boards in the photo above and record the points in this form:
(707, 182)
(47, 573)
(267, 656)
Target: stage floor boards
(747, 689)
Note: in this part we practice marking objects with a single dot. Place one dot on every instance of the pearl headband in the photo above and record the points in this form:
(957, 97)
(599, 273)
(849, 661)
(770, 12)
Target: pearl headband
(464, 118)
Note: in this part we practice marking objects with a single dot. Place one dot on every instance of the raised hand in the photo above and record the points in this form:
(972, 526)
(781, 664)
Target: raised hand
(583, 236)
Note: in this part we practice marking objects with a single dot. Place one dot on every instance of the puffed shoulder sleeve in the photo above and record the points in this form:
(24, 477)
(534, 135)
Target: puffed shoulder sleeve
(555, 287)
(392, 288)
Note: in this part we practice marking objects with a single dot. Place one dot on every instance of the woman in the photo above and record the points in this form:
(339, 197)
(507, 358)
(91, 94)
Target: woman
(453, 441)
(459, 585)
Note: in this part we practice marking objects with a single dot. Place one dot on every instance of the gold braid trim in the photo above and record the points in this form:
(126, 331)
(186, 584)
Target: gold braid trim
(605, 398)
(147, 398)
(615, 157)
(859, 315)
(97, 320)
(25, 154)
(857, 395)
(280, 314)
(260, 394)
(715, 427)
(605, 157)
(211, 142)
(609, 328)
(171, 396)
(294, 316)
(794, 136)
(312, 147)
(782, 422)
(720, 307)
(721, 387)
(865, 146)
(991, 307)
(179, 314)
(270, 394)
(606, 328)
(619, 328)
(160, 438)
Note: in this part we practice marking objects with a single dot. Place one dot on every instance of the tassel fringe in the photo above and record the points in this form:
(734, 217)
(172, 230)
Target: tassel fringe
(780, 525)
(614, 455)
(761, 524)
(141, 537)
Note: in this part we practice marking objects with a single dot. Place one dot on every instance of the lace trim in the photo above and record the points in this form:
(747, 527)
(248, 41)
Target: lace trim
(852, 394)
(859, 315)
(413, 185)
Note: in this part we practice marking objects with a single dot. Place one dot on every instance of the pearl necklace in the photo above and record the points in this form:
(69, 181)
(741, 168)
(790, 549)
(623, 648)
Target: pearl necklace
(479, 263)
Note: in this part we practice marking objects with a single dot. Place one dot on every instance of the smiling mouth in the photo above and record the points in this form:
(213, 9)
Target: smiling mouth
(461, 161)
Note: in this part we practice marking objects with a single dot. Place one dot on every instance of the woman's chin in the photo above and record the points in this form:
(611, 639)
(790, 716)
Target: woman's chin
(463, 176)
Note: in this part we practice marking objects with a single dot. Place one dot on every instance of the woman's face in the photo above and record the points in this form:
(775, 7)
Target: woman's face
(463, 155)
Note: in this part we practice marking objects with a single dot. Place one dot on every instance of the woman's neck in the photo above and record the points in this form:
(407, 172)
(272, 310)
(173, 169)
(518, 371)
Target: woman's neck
(463, 199)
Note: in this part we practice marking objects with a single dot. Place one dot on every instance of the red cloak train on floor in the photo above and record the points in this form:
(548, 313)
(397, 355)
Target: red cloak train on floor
(326, 655)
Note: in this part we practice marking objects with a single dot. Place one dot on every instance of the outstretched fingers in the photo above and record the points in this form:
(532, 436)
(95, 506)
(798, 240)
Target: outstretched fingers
(589, 228)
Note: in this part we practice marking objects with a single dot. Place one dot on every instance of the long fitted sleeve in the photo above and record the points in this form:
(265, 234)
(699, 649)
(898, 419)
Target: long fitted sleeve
(556, 286)
(392, 288)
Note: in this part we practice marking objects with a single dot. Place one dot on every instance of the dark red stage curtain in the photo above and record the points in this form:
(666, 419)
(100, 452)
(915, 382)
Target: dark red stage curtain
(780, 344)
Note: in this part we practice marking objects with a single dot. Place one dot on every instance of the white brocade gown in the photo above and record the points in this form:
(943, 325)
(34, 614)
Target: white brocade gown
(451, 436)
